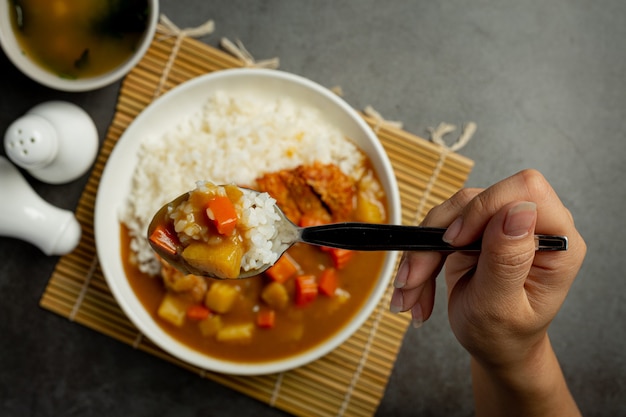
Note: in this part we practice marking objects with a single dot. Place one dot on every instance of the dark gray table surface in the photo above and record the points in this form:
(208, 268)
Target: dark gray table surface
(544, 81)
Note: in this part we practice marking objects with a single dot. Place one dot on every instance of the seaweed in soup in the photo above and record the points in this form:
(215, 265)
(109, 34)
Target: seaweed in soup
(123, 16)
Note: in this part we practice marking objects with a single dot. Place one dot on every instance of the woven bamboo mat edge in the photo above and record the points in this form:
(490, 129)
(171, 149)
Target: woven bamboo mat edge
(348, 381)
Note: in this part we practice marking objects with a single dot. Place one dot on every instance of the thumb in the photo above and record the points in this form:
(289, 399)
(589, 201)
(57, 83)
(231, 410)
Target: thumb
(508, 250)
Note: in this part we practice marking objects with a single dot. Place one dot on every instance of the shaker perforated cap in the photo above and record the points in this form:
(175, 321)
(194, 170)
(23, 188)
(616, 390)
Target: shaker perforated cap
(55, 142)
(31, 142)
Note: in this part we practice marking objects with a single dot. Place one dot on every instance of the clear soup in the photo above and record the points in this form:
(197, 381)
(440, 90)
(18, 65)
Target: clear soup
(79, 38)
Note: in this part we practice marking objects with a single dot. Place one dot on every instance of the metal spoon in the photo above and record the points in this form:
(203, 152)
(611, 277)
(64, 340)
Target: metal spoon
(348, 235)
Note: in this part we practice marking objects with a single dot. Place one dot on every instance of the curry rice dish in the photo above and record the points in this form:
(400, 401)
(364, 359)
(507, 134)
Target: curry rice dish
(316, 176)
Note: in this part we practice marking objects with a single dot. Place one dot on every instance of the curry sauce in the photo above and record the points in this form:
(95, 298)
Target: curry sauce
(297, 328)
(232, 330)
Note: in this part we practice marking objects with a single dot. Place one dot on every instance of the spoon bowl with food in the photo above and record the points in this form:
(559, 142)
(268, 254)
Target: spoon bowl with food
(223, 232)
(228, 232)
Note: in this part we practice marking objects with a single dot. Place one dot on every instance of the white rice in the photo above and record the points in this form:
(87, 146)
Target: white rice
(260, 225)
(263, 232)
(232, 139)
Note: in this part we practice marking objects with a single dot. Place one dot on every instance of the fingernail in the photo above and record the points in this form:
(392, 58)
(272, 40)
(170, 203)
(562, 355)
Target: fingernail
(417, 318)
(402, 274)
(396, 303)
(520, 219)
(453, 230)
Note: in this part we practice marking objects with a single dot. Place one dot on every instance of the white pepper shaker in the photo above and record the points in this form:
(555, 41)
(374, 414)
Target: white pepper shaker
(25, 215)
(55, 142)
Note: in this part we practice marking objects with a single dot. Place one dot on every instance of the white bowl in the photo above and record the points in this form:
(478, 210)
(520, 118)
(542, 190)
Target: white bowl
(162, 115)
(34, 71)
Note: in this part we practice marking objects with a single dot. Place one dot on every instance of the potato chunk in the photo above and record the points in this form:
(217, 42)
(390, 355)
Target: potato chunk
(368, 209)
(221, 259)
(221, 297)
(236, 333)
(172, 310)
(210, 326)
(275, 295)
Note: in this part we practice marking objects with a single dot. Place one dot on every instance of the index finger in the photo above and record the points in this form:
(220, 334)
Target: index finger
(527, 185)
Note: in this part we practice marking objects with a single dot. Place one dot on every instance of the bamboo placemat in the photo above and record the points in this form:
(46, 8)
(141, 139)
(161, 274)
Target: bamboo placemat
(351, 380)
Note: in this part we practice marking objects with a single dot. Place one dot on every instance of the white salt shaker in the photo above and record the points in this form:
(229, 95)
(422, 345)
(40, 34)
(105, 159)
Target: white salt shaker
(55, 142)
(25, 215)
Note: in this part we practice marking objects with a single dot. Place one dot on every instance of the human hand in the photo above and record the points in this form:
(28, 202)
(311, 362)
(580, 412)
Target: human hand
(500, 301)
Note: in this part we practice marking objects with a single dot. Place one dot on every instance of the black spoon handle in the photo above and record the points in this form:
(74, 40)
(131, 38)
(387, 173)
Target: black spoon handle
(382, 237)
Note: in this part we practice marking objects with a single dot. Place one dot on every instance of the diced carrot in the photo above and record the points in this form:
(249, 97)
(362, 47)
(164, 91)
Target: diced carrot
(198, 312)
(266, 318)
(282, 270)
(328, 282)
(165, 239)
(340, 257)
(223, 213)
(306, 289)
